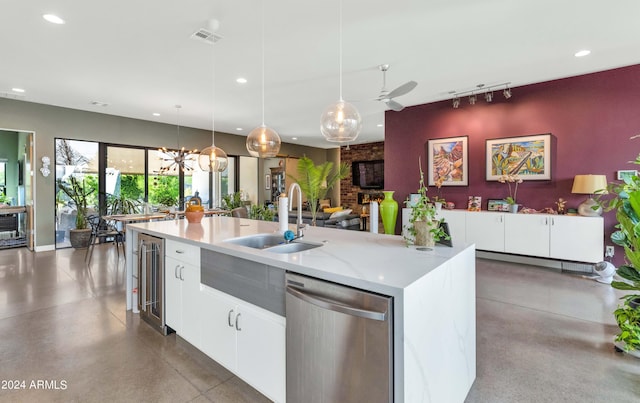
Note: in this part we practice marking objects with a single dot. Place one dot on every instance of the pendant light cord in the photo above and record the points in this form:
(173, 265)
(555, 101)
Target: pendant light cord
(340, 45)
(213, 95)
(263, 63)
(178, 124)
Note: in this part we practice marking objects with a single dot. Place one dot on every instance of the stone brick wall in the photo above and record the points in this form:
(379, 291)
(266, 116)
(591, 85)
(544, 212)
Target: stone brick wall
(359, 152)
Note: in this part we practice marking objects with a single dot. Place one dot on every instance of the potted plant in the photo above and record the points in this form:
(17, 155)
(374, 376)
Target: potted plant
(78, 192)
(316, 180)
(424, 229)
(626, 203)
(121, 205)
(511, 199)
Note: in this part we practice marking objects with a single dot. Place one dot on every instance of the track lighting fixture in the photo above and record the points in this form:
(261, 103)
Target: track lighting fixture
(473, 97)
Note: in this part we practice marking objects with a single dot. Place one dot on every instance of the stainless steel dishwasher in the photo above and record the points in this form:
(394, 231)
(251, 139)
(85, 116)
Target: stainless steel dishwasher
(339, 343)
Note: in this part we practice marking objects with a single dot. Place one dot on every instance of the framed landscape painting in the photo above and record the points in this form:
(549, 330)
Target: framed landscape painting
(528, 156)
(448, 161)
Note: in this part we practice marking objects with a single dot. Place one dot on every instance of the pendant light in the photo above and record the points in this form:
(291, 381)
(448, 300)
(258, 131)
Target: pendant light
(181, 159)
(263, 141)
(213, 159)
(340, 122)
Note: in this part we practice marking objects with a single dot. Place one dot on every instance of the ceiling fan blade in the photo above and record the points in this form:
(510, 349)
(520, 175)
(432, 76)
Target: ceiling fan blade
(403, 89)
(393, 105)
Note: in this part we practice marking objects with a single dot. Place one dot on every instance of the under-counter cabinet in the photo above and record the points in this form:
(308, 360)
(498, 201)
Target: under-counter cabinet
(246, 339)
(486, 230)
(182, 290)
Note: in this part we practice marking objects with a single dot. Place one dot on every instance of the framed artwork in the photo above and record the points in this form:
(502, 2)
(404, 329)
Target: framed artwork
(413, 199)
(448, 161)
(626, 173)
(497, 205)
(475, 203)
(267, 182)
(527, 156)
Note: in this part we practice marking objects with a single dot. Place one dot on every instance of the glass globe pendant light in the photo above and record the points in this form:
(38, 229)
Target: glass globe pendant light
(263, 141)
(213, 159)
(340, 122)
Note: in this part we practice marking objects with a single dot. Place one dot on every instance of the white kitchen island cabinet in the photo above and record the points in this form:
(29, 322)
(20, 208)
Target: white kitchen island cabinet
(433, 294)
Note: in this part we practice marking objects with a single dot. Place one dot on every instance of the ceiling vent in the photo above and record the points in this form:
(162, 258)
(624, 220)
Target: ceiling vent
(206, 35)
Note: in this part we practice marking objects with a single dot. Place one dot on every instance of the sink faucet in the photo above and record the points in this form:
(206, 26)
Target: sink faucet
(299, 224)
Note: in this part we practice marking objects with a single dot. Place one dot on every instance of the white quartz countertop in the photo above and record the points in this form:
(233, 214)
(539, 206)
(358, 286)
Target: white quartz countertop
(374, 262)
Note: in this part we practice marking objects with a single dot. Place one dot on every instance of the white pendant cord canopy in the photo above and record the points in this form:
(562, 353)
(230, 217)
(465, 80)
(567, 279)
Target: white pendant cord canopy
(340, 122)
(263, 141)
(177, 159)
(213, 159)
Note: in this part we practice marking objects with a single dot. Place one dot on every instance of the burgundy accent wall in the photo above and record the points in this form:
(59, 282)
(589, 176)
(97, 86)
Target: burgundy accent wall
(591, 118)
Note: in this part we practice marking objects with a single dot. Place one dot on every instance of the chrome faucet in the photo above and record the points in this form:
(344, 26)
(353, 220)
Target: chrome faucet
(299, 224)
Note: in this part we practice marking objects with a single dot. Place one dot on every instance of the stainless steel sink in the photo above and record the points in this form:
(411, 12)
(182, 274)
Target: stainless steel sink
(273, 243)
(259, 241)
(293, 247)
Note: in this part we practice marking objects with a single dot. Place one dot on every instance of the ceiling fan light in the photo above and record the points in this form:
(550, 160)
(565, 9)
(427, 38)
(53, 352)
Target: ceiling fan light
(213, 159)
(263, 142)
(340, 122)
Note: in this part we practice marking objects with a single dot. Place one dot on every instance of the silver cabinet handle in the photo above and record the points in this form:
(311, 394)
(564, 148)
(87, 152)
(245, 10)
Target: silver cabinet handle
(142, 277)
(229, 318)
(175, 271)
(237, 322)
(546, 221)
(179, 251)
(181, 268)
(553, 222)
(328, 304)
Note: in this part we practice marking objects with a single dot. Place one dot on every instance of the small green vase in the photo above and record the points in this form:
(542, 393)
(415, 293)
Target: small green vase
(389, 212)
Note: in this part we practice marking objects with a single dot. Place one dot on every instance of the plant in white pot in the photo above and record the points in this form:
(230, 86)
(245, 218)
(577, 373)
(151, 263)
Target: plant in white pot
(511, 199)
(424, 229)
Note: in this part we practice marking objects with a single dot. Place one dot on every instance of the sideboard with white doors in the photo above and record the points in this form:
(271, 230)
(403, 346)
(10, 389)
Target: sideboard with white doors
(559, 237)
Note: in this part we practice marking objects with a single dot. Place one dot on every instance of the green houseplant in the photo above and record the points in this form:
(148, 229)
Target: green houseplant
(316, 180)
(78, 191)
(424, 229)
(626, 203)
(121, 205)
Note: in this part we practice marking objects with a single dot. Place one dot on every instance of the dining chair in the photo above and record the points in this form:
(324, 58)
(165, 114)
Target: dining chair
(103, 230)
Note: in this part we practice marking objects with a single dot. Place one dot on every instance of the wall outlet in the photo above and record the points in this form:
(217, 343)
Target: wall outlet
(609, 251)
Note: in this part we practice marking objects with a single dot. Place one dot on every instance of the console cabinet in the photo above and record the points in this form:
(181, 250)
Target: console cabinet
(572, 238)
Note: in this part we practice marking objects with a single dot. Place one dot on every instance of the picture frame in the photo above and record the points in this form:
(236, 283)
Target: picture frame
(413, 199)
(475, 203)
(625, 172)
(497, 205)
(448, 161)
(527, 156)
(267, 181)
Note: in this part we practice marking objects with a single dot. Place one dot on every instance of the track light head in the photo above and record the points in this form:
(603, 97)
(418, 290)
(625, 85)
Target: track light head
(507, 93)
(456, 103)
(472, 99)
(488, 96)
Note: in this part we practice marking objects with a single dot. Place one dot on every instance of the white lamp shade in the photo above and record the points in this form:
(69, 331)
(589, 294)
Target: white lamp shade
(341, 122)
(263, 142)
(589, 184)
(213, 159)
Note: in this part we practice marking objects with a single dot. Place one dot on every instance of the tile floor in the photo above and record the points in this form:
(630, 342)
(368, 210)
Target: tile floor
(542, 336)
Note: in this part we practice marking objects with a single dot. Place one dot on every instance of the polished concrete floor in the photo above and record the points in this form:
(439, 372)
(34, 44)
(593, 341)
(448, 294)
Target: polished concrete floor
(65, 336)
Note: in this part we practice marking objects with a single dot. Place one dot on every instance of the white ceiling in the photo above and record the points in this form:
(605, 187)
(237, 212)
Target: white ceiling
(137, 55)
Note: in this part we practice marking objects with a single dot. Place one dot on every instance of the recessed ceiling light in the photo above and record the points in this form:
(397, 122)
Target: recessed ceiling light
(380, 125)
(241, 80)
(294, 138)
(17, 90)
(156, 114)
(54, 19)
(582, 53)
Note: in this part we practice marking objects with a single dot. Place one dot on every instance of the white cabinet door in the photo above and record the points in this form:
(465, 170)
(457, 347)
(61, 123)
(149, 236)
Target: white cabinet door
(577, 238)
(456, 219)
(262, 351)
(191, 304)
(173, 293)
(486, 230)
(218, 338)
(527, 234)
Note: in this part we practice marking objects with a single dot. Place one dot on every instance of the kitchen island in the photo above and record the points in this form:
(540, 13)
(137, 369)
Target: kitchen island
(433, 292)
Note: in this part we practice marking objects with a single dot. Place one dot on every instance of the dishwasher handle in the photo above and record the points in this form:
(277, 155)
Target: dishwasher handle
(336, 306)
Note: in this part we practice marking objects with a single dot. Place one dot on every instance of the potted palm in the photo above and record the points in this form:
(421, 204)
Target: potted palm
(316, 180)
(424, 229)
(626, 203)
(77, 191)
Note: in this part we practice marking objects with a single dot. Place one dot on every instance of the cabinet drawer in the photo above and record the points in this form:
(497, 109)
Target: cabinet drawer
(183, 252)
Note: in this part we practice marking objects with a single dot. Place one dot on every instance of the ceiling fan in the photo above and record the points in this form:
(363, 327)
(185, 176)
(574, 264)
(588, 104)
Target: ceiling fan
(387, 96)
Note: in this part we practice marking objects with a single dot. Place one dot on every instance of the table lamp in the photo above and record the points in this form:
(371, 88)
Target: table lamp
(589, 184)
